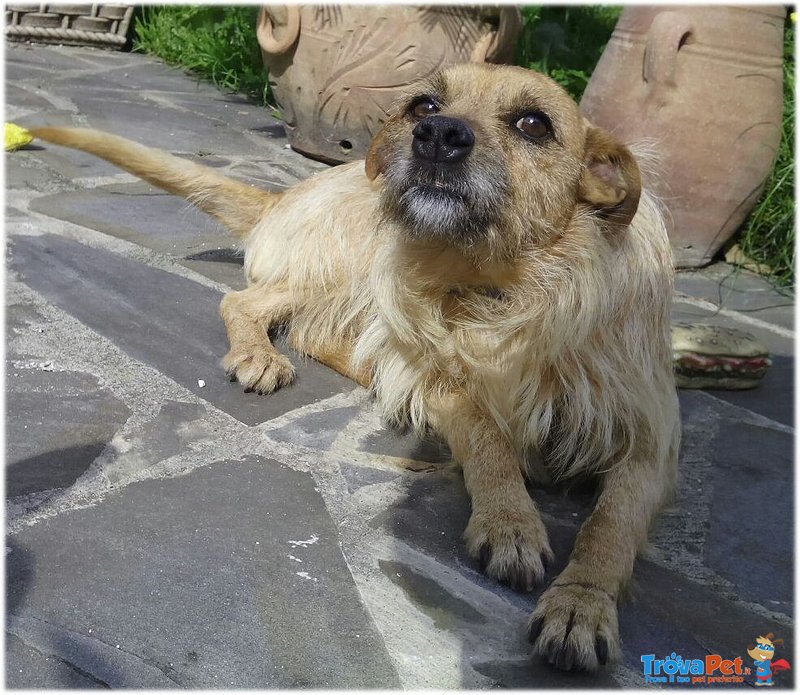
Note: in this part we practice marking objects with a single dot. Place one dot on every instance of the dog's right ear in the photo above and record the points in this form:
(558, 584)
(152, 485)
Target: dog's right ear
(611, 182)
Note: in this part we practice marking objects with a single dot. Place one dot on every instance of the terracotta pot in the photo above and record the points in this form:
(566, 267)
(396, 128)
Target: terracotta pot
(335, 69)
(705, 85)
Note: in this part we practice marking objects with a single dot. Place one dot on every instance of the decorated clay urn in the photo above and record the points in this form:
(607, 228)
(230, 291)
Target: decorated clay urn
(701, 87)
(335, 69)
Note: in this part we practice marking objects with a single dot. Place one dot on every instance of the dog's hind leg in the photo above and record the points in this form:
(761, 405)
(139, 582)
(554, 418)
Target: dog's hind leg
(252, 358)
(505, 533)
(575, 624)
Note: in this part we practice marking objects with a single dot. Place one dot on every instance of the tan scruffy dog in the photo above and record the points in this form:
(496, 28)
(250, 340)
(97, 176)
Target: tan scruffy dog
(494, 273)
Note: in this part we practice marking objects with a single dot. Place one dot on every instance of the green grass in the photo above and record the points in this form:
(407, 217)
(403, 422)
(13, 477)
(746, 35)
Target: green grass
(767, 235)
(215, 42)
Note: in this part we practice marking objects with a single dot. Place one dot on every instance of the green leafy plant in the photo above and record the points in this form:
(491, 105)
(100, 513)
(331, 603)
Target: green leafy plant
(217, 43)
(566, 42)
(768, 234)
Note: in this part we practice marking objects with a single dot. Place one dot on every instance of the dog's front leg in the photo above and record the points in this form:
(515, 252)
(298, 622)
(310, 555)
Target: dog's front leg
(252, 359)
(574, 625)
(505, 533)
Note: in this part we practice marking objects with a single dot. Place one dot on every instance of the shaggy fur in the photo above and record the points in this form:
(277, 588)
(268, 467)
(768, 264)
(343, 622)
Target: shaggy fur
(516, 302)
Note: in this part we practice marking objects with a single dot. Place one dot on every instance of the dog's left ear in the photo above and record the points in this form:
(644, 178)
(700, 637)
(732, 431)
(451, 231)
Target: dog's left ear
(611, 181)
(377, 155)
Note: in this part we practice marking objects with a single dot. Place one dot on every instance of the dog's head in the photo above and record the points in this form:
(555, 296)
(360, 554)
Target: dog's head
(500, 155)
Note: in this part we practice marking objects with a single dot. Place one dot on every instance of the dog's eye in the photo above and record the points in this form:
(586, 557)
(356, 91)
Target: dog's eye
(534, 125)
(423, 107)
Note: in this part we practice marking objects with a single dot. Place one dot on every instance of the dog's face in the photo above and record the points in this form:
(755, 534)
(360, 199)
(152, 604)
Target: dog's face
(497, 155)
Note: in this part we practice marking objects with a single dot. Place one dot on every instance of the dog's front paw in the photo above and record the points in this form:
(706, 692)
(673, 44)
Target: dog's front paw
(263, 371)
(575, 627)
(511, 545)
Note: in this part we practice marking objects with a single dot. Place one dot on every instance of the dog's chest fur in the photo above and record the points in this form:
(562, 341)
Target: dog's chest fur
(549, 346)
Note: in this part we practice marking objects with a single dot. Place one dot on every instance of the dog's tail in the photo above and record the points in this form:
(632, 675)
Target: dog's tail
(235, 204)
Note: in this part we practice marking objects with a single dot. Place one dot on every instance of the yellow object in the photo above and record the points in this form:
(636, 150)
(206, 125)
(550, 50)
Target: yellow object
(16, 137)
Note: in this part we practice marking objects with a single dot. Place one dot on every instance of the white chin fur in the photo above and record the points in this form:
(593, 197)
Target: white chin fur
(434, 212)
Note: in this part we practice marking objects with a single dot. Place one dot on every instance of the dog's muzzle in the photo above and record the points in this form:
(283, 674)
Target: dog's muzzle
(442, 140)
(444, 186)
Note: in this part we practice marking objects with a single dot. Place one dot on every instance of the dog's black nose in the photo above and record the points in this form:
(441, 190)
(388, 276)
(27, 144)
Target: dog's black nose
(442, 139)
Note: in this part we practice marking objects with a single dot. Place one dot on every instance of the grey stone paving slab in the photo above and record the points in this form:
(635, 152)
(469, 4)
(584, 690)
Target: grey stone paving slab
(773, 398)
(320, 429)
(104, 58)
(152, 75)
(441, 606)
(18, 318)
(28, 668)
(131, 78)
(451, 614)
(29, 173)
(140, 213)
(738, 289)
(69, 164)
(68, 413)
(358, 477)
(13, 212)
(48, 58)
(25, 98)
(519, 673)
(212, 597)
(208, 159)
(51, 410)
(176, 129)
(102, 665)
(173, 430)
(393, 442)
(149, 217)
(734, 468)
(16, 71)
(317, 430)
(223, 266)
(162, 319)
(751, 482)
(235, 110)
